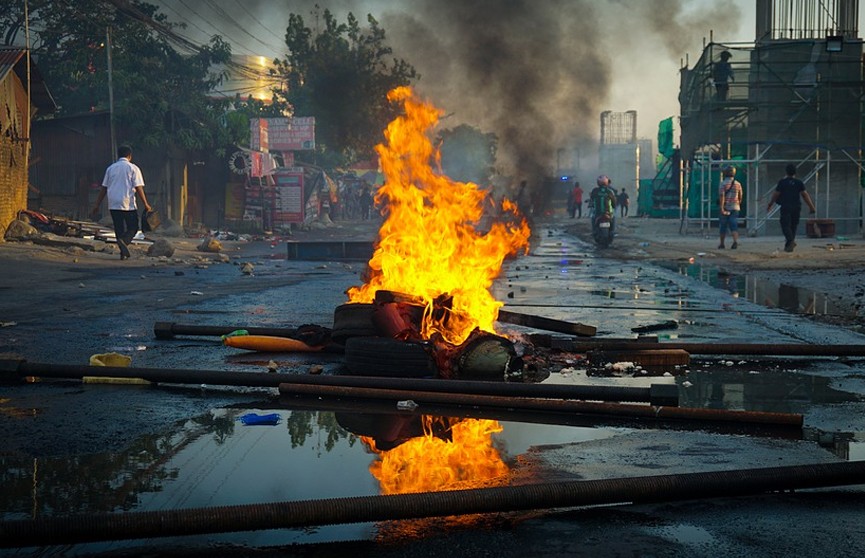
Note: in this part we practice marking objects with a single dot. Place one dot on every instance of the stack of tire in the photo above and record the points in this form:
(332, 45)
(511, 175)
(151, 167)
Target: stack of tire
(369, 353)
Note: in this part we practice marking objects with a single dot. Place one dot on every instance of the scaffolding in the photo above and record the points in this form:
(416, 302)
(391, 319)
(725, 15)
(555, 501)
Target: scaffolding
(618, 127)
(796, 96)
(619, 151)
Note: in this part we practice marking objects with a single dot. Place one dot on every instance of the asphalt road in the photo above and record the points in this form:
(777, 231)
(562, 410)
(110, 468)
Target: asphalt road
(58, 310)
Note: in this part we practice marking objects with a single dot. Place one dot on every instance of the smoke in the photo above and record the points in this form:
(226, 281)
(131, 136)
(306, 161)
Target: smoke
(528, 71)
(537, 73)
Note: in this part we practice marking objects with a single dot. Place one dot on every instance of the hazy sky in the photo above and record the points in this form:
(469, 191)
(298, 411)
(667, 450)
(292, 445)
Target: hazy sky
(538, 73)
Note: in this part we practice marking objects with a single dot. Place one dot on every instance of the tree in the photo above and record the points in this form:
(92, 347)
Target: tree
(340, 76)
(160, 92)
(468, 155)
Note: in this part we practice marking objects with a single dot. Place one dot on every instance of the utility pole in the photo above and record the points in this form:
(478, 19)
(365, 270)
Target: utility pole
(110, 94)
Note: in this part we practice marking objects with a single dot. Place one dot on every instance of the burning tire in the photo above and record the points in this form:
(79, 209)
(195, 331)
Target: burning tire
(383, 356)
(352, 320)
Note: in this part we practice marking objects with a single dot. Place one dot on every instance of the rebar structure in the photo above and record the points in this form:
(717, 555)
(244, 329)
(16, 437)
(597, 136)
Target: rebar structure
(795, 96)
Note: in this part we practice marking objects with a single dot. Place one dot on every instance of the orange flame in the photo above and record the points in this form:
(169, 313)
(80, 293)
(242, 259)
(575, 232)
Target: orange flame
(430, 243)
(428, 463)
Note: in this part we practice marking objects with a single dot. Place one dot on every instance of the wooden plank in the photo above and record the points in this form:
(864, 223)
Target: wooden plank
(547, 324)
(643, 357)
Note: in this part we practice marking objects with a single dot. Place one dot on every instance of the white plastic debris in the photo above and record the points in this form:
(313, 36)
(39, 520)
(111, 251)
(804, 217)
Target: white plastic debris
(406, 405)
(687, 384)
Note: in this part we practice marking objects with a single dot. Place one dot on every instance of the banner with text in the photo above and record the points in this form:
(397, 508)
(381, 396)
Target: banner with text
(282, 134)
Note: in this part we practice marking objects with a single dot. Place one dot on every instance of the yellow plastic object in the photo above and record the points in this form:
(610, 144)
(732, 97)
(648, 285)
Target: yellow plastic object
(112, 359)
(269, 343)
(112, 380)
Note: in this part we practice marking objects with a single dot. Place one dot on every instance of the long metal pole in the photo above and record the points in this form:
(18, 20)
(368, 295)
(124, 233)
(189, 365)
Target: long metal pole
(587, 407)
(307, 513)
(788, 349)
(166, 330)
(29, 108)
(110, 94)
(656, 394)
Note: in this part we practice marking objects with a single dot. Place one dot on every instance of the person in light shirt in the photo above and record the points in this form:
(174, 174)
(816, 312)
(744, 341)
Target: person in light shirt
(122, 183)
(730, 202)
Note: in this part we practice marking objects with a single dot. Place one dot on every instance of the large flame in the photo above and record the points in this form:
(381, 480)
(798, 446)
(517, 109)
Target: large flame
(430, 463)
(430, 243)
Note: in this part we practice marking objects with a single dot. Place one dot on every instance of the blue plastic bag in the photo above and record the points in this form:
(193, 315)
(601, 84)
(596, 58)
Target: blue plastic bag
(252, 419)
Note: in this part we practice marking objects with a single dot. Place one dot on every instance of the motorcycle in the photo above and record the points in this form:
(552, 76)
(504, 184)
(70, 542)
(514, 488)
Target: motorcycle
(602, 230)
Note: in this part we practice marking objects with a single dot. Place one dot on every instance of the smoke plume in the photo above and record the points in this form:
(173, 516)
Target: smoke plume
(537, 73)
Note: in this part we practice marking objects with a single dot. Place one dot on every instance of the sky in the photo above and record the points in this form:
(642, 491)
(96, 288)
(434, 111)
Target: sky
(538, 73)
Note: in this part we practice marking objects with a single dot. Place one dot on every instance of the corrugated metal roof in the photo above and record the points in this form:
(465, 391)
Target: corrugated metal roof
(10, 59)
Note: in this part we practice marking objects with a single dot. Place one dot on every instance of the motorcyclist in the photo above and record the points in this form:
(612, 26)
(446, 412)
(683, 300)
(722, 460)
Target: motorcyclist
(604, 202)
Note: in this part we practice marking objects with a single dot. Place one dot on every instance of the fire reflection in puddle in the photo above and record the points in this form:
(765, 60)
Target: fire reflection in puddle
(216, 460)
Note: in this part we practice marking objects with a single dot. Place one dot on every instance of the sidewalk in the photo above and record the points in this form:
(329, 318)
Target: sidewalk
(660, 239)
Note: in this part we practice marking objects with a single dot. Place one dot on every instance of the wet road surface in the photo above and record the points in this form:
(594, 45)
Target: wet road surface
(73, 448)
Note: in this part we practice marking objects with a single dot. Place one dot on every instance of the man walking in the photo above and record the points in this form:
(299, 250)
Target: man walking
(624, 201)
(730, 200)
(123, 180)
(787, 194)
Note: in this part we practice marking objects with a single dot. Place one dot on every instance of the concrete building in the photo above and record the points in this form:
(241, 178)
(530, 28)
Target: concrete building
(619, 151)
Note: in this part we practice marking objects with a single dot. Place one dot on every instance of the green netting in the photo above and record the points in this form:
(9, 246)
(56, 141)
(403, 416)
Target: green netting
(665, 137)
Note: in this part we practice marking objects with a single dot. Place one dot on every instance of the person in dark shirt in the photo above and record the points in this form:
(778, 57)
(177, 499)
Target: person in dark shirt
(365, 202)
(787, 194)
(722, 75)
(624, 201)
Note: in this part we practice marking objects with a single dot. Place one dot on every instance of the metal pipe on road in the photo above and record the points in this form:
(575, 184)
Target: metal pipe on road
(763, 349)
(510, 414)
(524, 403)
(167, 330)
(307, 513)
(656, 394)
(17, 369)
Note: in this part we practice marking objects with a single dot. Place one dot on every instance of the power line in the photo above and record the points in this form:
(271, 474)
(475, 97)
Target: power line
(236, 43)
(189, 21)
(254, 18)
(126, 8)
(219, 11)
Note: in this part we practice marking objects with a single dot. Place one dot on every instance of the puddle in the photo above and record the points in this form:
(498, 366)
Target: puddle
(761, 291)
(216, 460)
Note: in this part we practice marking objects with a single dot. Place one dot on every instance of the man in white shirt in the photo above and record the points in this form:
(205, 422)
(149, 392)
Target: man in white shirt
(123, 180)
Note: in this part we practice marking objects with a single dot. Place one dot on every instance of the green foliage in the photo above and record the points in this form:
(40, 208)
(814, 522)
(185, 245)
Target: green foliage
(468, 155)
(160, 93)
(340, 76)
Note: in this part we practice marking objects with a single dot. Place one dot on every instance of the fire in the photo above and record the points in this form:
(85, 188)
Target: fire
(429, 463)
(430, 243)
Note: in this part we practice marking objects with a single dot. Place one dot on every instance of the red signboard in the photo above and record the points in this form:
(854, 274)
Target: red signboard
(282, 134)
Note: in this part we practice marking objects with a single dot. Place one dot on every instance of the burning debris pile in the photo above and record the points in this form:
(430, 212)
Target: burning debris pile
(431, 257)
(428, 286)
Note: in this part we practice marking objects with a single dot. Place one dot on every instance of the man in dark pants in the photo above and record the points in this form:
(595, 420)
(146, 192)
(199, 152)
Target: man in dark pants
(787, 194)
(123, 181)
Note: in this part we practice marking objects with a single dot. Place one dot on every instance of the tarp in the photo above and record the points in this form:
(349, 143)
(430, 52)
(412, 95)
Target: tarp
(666, 141)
